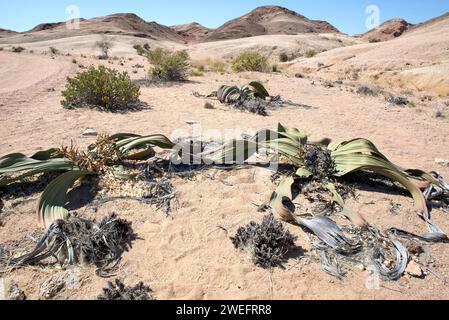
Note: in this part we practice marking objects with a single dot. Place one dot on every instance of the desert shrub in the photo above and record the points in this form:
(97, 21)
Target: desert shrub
(74, 61)
(311, 53)
(116, 291)
(283, 57)
(53, 50)
(210, 65)
(218, 66)
(368, 90)
(374, 40)
(196, 73)
(267, 242)
(104, 88)
(250, 61)
(18, 49)
(1, 48)
(105, 45)
(140, 50)
(299, 75)
(275, 68)
(396, 100)
(169, 66)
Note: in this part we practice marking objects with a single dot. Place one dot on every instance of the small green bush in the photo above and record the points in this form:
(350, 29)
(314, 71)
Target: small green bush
(250, 61)
(104, 88)
(283, 57)
(311, 53)
(140, 50)
(218, 66)
(169, 66)
(18, 49)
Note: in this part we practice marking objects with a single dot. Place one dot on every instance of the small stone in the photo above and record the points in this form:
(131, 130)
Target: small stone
(360, 267)
(414, 270)
(90, 133)
(191, 122)
(51, 89)
(67, 280)
(442, 162)
(209, 106)
(12, 292)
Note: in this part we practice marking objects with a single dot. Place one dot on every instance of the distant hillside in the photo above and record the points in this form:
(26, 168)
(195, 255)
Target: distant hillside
(117, 24)
(192, 31)
(388, 30)
(269, 20)
(6, 33)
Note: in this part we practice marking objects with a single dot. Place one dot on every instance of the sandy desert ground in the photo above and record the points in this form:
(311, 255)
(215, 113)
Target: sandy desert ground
(188, 254)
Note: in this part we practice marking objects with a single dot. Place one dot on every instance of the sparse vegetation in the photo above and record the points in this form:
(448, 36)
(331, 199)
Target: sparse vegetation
(169, 66)
(267, 243)
(396, 100)
(140, 50)
(250, 61)
(299, 75)
(103, 88)
(196, 73)
(74, 61)
(367, 90)
(374, 40)
(310, 53)
(117, 291)
(105, 45)
(210, 65)
(18, 49)
(53, 50)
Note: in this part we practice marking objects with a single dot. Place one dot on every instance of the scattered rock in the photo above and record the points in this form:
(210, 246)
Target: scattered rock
(63, 280)
(414, 270)
(12, 292)
(208, 105)
(360, 267)
(90, 133)
(442, 162)
(192, 122)
(51, 89)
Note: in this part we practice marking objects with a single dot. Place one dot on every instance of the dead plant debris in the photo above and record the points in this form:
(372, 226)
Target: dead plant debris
(118, 291)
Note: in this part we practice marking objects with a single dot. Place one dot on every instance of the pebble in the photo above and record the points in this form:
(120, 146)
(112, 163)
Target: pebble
(208, 105)
(414, 270)
(90, 133)
(442, 162)
(361, 267)
(12, 292)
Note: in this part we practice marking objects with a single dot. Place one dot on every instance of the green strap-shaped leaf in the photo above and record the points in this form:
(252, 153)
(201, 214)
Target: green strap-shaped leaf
(52, 165)
(52, 202)
(157, 140)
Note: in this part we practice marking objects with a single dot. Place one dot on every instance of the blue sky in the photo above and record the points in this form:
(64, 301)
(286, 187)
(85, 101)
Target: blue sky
(347, 15)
